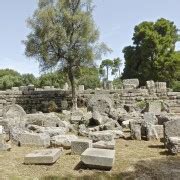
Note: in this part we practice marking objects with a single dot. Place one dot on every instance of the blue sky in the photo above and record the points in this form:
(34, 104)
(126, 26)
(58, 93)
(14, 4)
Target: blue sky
(115, 18)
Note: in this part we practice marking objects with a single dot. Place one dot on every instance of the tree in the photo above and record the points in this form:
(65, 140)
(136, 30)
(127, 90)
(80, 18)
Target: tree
(56, 79)
(89, 77)
(28, 79)
(9, 78)
(64, 35)
(117, 63)
(153, 54)
(108, 65)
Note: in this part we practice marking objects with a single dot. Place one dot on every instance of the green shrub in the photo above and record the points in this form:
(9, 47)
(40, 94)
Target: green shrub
(52, 107)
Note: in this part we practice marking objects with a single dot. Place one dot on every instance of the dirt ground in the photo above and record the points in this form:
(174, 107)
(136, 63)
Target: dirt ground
(143, 159)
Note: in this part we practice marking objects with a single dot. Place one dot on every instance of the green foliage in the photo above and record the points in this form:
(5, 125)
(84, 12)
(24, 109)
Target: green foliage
(52, 107)
(9, 78)
(108, 65)
(153, 54)
(117, 63)
(141, 104)
(117, 82)
(28, 79)
(64, 35)
(56, 79)
(89, 77)
(176, 86)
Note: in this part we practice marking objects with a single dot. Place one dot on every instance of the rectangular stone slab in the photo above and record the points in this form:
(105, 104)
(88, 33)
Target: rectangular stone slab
(80, 145)
(45, 156)
(100, 158)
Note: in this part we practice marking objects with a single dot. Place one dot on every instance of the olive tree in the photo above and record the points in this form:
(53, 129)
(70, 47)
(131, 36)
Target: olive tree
(64, 35)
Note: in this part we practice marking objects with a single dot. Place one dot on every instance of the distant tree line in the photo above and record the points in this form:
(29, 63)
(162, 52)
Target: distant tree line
(9, 78)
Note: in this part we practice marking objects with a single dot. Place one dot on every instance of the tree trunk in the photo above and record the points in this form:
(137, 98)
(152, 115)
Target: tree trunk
(107, 73)
(73, 88)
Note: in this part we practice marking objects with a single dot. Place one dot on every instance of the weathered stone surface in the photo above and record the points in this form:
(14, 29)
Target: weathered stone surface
(161, 87)
(14, 115)
(151, 132)
(116, 133)
(104, 145)
(151, 87)
(47, 120)
(171, 129)
(81, 88)
(160, 130)
(80, 145)
(173, 145)
(135, 131)
(100, 103)
(154, 107)
(45, 156)
(101, 158)
(76, 117)
(51, 131)
(63, 141)
(130, 83)
(83, 131)
(25, 138)
(101, 136)
(5, 147)
(116, 114)
(150, 118)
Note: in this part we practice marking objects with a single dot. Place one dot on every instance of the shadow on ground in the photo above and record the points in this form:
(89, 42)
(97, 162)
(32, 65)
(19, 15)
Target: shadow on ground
(167, 168)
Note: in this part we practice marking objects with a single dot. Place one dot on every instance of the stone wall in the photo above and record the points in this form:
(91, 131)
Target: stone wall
(33, 100)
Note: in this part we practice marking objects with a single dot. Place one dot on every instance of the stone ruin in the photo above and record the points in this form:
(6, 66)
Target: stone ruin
(149, 113)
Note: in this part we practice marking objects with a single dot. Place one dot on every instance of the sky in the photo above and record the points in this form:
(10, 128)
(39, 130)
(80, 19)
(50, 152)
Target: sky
(114, 18)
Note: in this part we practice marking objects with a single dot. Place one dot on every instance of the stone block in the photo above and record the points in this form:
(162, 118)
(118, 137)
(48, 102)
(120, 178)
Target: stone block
(135, 131)
(173, 145)
(104, 145)
(46, 156)
(100, 158)
(171, 129)
(154, 107)
(151, 133)
(150, 118)
(130, 83)
(63, 141)
(33, 139)
(160, 130)
(80, 145)
(101, 136)
(81, 87)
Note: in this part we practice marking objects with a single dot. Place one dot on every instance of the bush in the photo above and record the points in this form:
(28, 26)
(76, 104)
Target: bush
(52, 107)
(176, 86)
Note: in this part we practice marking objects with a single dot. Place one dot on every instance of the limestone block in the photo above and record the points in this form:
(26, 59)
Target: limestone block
(150, 118)
(101, 136)
(160, 130)
(102, 158)
(46, 156)
(154, 107)
(81, 87)
(173, 145)
(130, 83)
(51, 131)
(63, 141)
(80, 145)
(171, 129)
(104, 145)
(135, 131)
(33, 139)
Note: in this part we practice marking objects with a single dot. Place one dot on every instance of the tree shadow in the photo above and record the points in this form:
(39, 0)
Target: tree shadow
(149, 169)
(156, 146)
